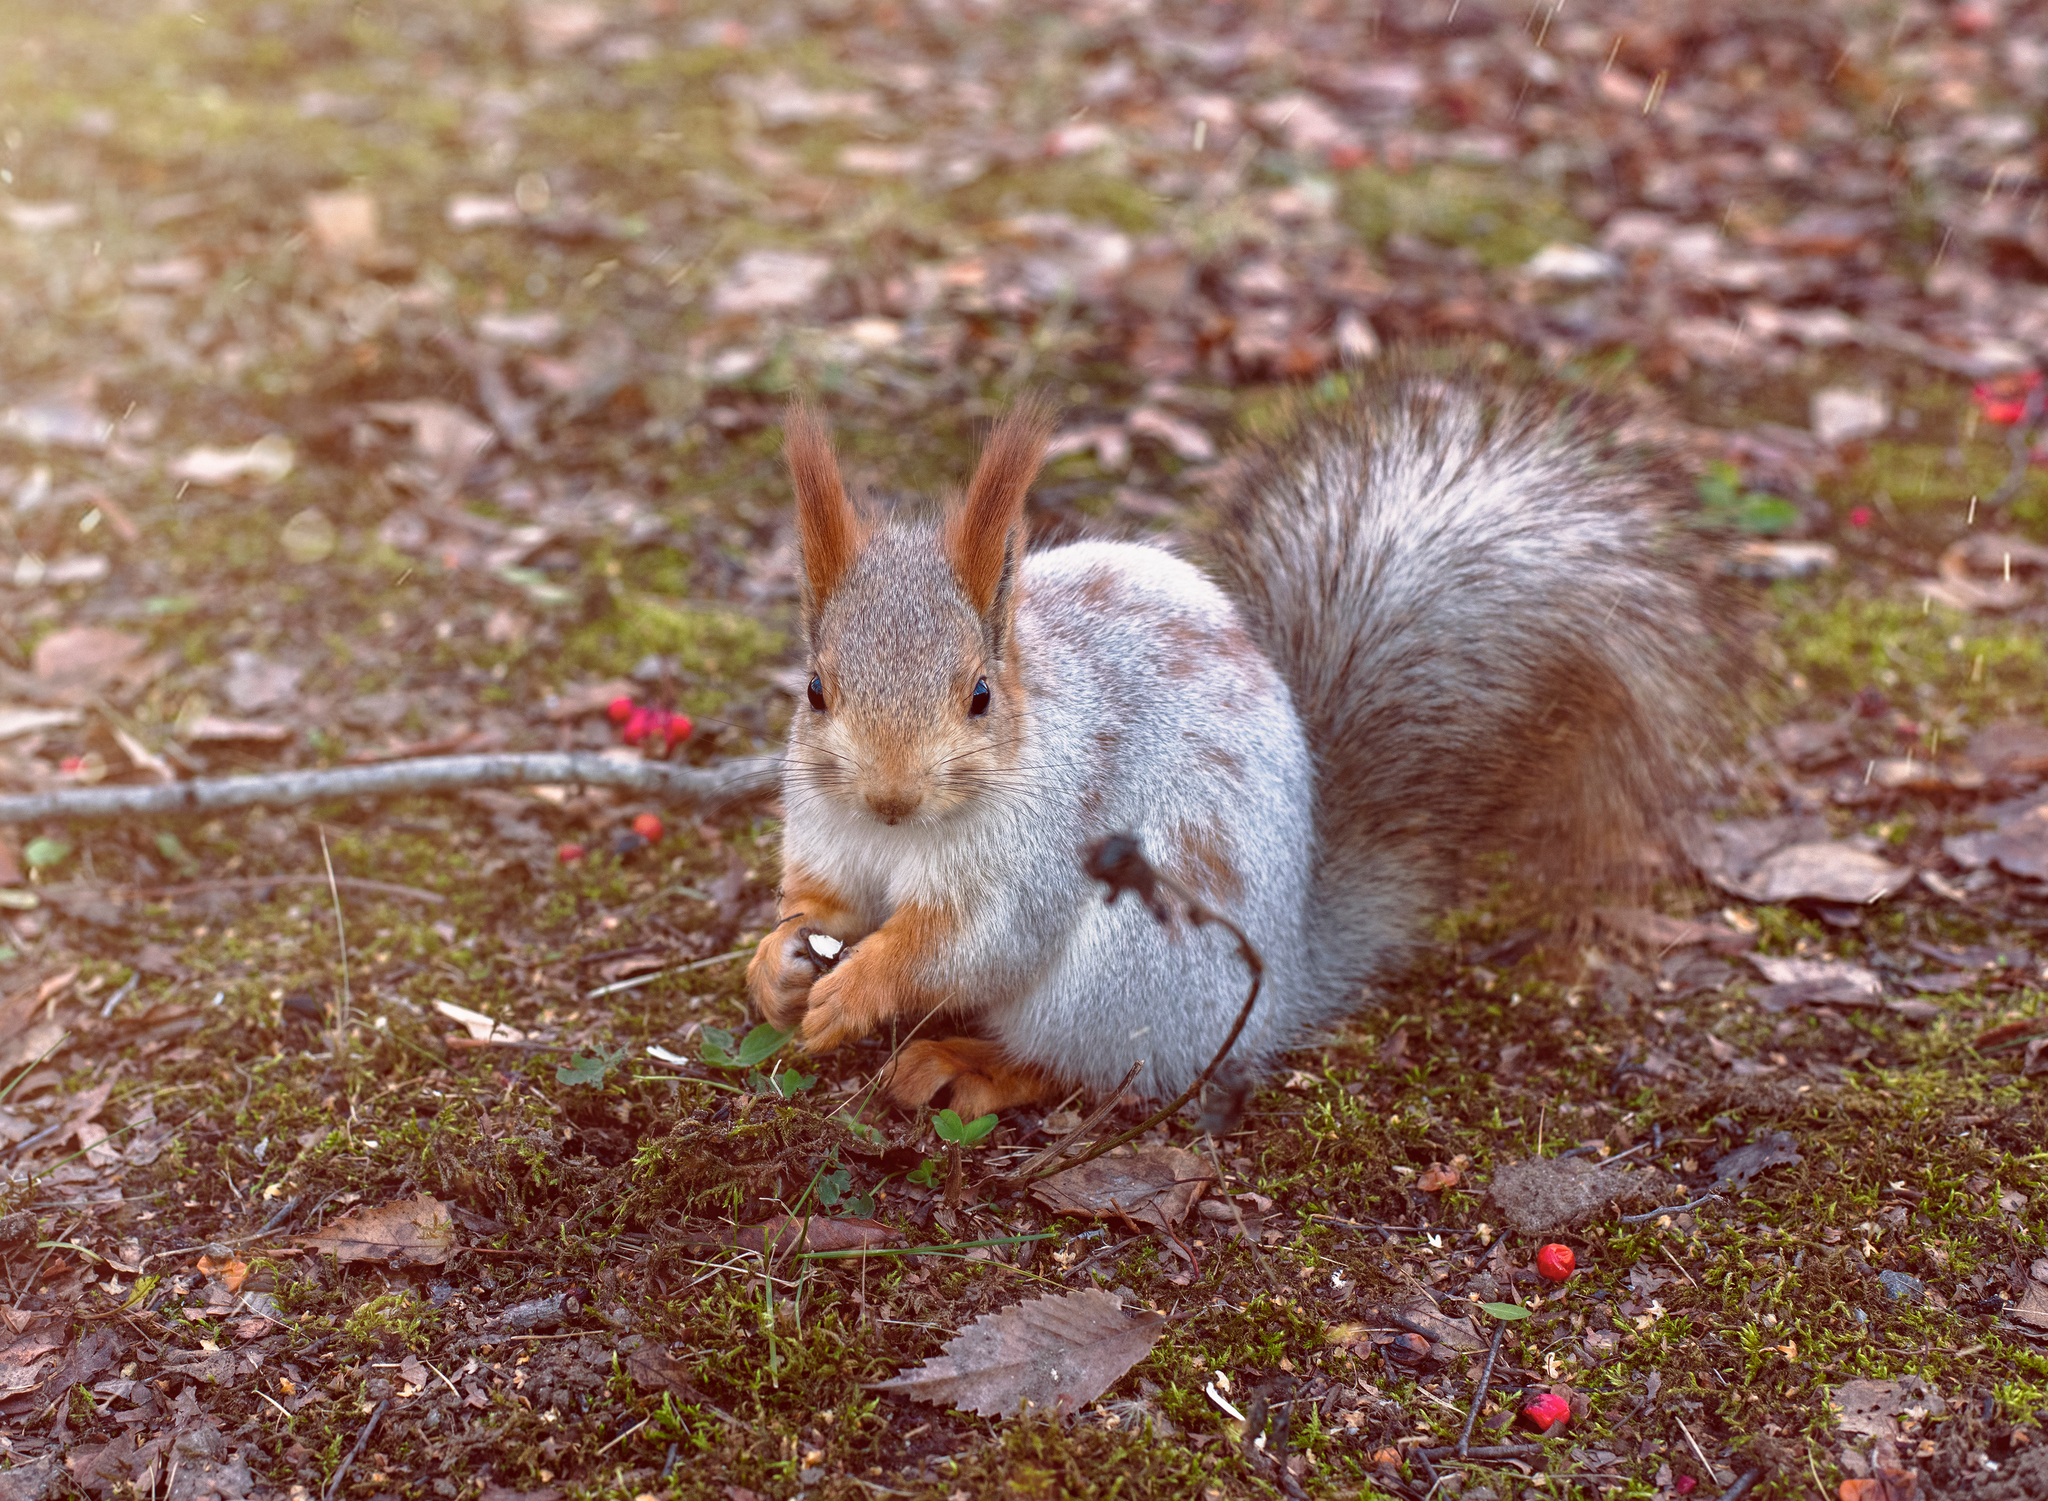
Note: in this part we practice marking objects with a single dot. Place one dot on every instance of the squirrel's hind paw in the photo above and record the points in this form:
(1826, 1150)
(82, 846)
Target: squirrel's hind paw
(974, 1075)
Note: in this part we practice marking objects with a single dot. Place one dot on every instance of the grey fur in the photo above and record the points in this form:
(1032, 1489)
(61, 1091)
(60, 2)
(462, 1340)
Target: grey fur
(1455, 619)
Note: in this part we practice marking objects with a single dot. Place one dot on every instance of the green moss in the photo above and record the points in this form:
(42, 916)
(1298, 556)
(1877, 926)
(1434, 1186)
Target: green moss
(713, 646)
(1070, 186)
(1970, 668)
(391, 1319)
(1494, 212)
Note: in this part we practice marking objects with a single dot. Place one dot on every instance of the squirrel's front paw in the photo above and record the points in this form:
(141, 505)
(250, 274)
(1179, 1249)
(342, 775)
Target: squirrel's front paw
(782, 975)
(845, 1006)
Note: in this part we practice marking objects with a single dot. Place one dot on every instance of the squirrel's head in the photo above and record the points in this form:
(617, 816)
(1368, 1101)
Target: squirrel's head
(912, 708)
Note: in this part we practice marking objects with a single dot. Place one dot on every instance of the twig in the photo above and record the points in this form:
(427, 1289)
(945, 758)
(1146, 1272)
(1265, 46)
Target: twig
(727, 781)
(1742, 1484)
(1095, 1118)
(1637, 1219)
(1500, 1330)
(1482, 1451)
(334, 1480)
(243, 883)
(1693, 1444)
(341, 1022)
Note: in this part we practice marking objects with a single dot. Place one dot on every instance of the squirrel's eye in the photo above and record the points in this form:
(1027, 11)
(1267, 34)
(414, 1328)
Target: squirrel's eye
(979, 703)
(816, 693)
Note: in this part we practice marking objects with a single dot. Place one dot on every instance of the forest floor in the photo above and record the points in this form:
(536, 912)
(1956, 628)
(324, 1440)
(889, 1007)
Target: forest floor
(385, 380)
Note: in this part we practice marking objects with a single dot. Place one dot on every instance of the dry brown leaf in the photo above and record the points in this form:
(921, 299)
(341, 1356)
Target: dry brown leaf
(806, 1234)
(1436, 1178)
(1655, 930)
(86, 657)
(2020, 847)
(1153, 1185)
(1056, 1353)
(405, 1232)
(1874, 1407)
(2012, 747)
(1885, 1485)
(342, 224)
(211, 729)
(1823, 872)
(232, 1272)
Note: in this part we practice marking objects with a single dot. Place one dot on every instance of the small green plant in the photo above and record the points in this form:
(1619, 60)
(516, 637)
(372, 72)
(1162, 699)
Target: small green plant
(1726, 506)
(834, 1190)
(955, 1133)
(962, 1133)
(590, 1068)
(718, 1050)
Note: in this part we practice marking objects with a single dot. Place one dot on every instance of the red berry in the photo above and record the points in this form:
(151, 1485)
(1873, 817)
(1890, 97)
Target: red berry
(569, 854)
(678, 729)
(638, 724)
(1685, 1485)
(1546, 1412)
(648, 827)
(619, 708)
(1554, 1262)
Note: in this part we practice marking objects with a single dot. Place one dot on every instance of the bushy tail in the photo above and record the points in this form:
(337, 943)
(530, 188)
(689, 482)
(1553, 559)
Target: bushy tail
(1496, 635)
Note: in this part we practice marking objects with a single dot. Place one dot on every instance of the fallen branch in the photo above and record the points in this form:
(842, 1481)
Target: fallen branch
(727, 781)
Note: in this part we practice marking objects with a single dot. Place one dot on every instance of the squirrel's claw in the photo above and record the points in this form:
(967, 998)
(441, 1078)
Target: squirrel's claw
(842, 1010)
(780, 978)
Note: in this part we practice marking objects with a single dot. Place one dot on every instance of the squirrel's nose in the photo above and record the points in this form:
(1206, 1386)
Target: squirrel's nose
(898, 803)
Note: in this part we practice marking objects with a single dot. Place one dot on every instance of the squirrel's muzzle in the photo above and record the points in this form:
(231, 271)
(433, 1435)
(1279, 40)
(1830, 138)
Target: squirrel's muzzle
(894, 805)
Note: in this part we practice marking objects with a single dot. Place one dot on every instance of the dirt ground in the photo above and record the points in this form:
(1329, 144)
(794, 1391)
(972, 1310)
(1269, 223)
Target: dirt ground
(382, 381)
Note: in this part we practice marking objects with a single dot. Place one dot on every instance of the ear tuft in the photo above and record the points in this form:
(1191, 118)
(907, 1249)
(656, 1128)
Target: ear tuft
(985, 531)
(829, 531)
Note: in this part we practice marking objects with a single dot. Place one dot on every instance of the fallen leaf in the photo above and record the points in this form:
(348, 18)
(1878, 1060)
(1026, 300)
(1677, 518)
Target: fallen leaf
(84, 657)
(808, 1233)
(480, 1027)
(1058, 1353)
(210, 729)
(1825, 872)
(16, 722)
(1885, 1485)
(1436, 1177)
(1736, 1168)
(256, 682)
(1152, 1185)
(269, 459)
(770, 280)
(1874, 1407)
(1654, 930)
(415, 1232)
(2011, 748)
(2020, 845)
(1841, 415)
(342, 224)
(1453, 1334)
(233, 1272)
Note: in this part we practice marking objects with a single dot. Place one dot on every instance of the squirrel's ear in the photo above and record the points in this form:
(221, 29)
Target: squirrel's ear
(829, 531)
(985, 531)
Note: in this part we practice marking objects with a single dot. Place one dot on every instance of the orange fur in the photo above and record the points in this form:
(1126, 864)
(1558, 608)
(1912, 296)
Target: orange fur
(985, 531)
(830, 532)
(983, 1079)
(880, 979)
(781, 975)
(1202, 863)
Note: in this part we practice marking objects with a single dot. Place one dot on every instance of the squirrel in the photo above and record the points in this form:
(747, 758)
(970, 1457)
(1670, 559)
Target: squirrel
(1459, 614)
